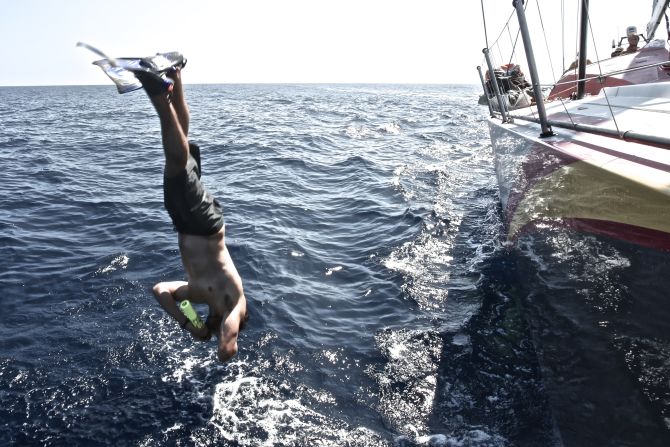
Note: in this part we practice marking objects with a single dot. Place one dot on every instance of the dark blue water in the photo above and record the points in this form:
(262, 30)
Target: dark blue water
(364, 221)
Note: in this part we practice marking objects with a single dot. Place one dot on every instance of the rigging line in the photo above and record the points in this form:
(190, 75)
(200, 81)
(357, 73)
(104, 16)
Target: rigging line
(516, 41)
(486, 36)
(576, 48)
(495, 42)
(566, 111)
(639, 67)
(512, 43)
(563, 32)
(509, 34)
(500, 56)
(608, 74)
(577, 34)
(502, 31)
(562, 51)
(546, 42)
(600, 78)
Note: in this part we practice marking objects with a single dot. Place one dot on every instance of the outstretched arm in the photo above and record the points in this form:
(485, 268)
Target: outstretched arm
(230, 329)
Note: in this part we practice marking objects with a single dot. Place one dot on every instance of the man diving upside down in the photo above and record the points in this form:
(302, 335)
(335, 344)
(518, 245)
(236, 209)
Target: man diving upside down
(198, 220)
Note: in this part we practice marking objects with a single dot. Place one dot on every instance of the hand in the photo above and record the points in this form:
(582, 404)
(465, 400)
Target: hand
(202, 334)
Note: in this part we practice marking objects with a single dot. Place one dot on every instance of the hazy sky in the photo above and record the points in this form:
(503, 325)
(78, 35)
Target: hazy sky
(247, 41)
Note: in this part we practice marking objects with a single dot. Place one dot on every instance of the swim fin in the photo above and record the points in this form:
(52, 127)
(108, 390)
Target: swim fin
(126, 72)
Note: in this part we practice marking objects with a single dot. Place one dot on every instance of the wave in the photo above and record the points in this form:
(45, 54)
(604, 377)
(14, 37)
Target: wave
(14, 142)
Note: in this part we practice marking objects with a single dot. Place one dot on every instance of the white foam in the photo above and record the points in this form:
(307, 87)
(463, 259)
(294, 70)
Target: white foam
(333, 269)
(391, 128)
(249, 403)
(357, 132)
(119, 262)
(176, 426)
(411, 362)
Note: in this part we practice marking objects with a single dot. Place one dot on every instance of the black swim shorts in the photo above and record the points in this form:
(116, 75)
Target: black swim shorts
(191, 207)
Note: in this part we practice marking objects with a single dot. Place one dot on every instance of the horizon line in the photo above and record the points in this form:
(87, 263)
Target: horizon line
(258, 83)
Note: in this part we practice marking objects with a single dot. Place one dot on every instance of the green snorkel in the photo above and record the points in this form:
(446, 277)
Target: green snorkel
(187, 309)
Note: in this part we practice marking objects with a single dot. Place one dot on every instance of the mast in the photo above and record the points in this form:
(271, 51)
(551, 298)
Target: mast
(658, 11)
(583, 30)
(488, 101)
(496, 88)
(532, 68)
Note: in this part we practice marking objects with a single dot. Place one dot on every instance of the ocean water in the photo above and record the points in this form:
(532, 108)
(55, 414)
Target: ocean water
(386, 308)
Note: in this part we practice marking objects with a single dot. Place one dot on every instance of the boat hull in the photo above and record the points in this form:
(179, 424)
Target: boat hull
(584, 182)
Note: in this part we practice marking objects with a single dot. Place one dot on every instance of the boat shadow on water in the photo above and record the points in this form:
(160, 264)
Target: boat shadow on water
(601, 337)
(489, 388)
(475, 378)
(567, 348)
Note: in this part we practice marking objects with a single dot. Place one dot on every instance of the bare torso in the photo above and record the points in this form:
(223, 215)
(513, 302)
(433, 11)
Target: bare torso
(212, 276)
